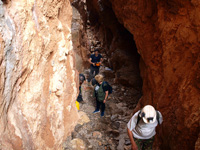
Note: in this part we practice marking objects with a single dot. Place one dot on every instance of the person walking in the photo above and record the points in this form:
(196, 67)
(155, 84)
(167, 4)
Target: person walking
(80, 98)
(95, 61)
(101, 94)
(141, 128)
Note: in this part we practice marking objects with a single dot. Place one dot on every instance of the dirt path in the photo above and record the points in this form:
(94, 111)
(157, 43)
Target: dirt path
(94, 132)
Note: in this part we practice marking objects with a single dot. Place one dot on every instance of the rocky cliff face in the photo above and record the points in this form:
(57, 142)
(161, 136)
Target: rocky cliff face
(37, 74)
(79, 35)
(167, 35)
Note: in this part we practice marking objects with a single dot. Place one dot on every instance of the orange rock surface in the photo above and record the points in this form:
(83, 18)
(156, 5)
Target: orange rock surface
(37, 74)
(167, 35)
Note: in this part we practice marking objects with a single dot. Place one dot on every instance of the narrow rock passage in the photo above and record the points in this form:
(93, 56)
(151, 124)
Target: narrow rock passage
(94, 132)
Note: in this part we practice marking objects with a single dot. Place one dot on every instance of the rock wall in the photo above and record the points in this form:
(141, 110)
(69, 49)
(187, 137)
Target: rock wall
(79, 35)
(167, 35)
(37, 74)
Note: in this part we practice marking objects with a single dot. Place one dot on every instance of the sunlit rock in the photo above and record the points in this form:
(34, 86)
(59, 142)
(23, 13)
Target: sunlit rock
(38, 79)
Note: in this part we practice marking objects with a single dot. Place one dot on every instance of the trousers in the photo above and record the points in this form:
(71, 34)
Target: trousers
(100, 104)
(144, 144)
(93, 72)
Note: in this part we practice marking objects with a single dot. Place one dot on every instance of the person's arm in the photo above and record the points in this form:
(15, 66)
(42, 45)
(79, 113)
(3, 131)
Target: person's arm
(90, 61)
(133, 144)
(131, 126)
(106, 96)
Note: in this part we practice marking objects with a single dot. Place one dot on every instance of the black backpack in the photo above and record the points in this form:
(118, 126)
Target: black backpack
(139, 118)
(109, 87)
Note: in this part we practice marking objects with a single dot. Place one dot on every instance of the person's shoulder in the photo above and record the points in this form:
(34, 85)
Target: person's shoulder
(105, 83)
(159, 113)
(92, 55)
(100, 55)
(137, 113)
(135, 116)
(105, 86)
(160, 117)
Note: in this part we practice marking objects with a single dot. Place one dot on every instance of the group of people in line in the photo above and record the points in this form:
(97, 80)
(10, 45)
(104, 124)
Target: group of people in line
(142, 125)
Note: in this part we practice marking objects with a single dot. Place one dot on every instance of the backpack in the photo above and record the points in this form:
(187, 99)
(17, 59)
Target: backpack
(109, 87)
(157, 117)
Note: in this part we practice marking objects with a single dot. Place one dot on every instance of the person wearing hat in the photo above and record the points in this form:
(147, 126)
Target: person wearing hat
(95, 61)
(141, 128)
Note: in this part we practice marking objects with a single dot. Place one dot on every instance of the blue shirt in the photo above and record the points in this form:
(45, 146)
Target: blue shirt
(95, 59)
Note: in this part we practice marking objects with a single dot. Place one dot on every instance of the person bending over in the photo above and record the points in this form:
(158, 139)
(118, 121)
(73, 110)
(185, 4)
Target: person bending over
(141, 128)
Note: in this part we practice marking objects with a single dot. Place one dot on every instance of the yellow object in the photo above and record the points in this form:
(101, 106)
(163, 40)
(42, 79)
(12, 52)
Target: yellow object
(77, 105)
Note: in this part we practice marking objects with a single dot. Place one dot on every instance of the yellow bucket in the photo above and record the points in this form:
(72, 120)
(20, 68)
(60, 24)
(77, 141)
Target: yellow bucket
(77, 105)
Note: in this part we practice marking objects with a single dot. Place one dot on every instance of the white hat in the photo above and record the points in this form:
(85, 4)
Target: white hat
(148, 114)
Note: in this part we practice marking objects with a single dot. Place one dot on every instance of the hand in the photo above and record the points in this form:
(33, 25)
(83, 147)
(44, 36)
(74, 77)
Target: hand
(134, 147)
(93, 64)
(104, 101)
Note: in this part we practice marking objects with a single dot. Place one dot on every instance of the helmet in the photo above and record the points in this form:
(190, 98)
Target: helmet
(148, 114)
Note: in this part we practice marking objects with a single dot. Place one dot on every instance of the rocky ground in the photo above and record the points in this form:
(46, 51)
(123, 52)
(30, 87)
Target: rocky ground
(94, 132)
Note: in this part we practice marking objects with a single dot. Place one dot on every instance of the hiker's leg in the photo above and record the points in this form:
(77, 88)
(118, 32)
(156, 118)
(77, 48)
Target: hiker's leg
(98, 104)
(96, 71)
(147, 144)
(102, 107)
(92, 69)
(139, 143)
(80, 98)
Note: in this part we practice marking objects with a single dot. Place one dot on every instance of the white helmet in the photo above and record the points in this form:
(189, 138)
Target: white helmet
(148, 114)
